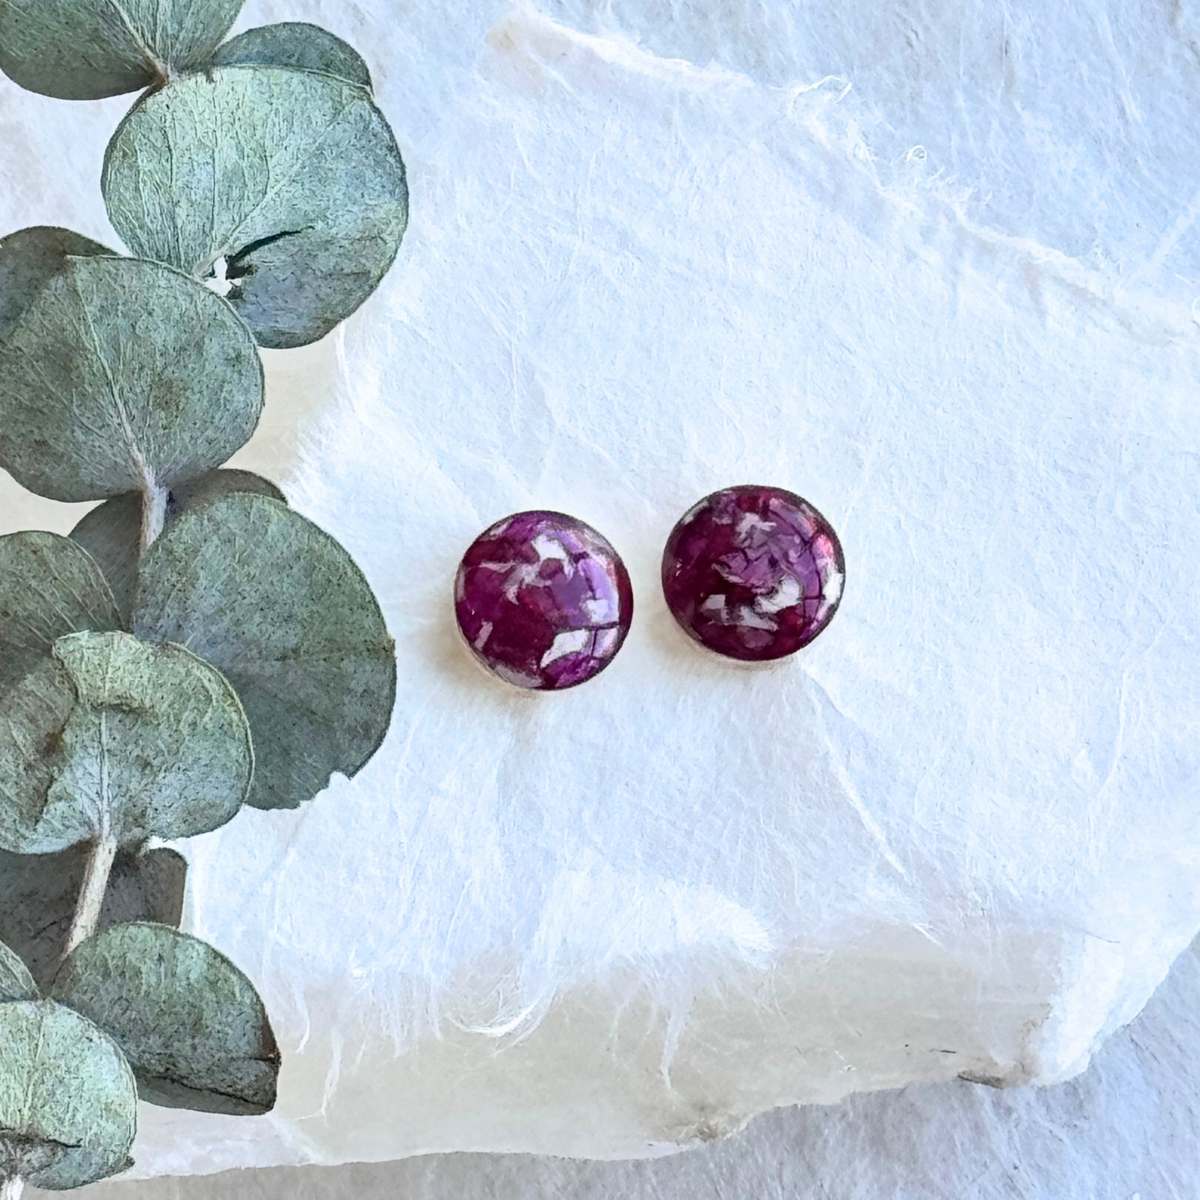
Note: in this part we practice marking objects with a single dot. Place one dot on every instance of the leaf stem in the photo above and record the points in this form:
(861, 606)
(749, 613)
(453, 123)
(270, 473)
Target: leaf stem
(91, 897)
(12, 1188)
(154, 514)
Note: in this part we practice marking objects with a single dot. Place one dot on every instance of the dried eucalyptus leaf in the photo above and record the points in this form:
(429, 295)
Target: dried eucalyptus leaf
(16, 983)
(68, 1101)
(113, 736)
(111, 533)
(150, 886)
(33, 718)
(29, 259)
(289, 181)
(49, 587)
(299, 45)
(283, 611)
(119, 375)
(88, 49)
(190, 1023)
(39, 892)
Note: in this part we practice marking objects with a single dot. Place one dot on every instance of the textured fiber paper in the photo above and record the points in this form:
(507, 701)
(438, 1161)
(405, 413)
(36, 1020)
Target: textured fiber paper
(1127, 1128)
(934, 269)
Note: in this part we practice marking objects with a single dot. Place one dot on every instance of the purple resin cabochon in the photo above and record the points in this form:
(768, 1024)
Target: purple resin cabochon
(543, 600)
(754, 573)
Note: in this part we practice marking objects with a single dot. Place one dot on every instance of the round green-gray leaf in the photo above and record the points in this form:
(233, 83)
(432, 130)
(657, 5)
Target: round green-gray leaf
(68, 1101)
(16, 983)
(190, 1023)
(39, 894)
(279, 607)
(49, 587)
(299, 45)
(88, 49)
(287, 181)
(30, 259)
(113, 738)
(111, 532)
(120, 375)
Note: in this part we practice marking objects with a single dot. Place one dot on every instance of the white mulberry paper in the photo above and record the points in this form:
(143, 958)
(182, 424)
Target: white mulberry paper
(934, 269)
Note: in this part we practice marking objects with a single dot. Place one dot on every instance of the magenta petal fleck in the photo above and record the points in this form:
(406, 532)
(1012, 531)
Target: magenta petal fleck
(753, 573)
(543, 600)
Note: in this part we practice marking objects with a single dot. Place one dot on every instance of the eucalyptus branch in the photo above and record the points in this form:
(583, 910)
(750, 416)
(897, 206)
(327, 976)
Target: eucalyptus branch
(227, 136)
(102, 854)
(154, 514)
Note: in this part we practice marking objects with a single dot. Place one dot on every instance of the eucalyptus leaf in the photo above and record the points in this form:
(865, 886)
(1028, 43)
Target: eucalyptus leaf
(288, 180)
(87, 49)
(39, 893)
(190, 1023)
(30, 259)
(283, 611)
(115, 739)
(118, 375)
(111, 532)
(68, 1101)
(16, 983)
(49, 587)
(296, 44)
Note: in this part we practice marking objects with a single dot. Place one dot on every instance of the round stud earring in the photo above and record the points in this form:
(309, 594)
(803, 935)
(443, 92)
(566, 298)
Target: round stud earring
(753, 573)
(543, 600)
